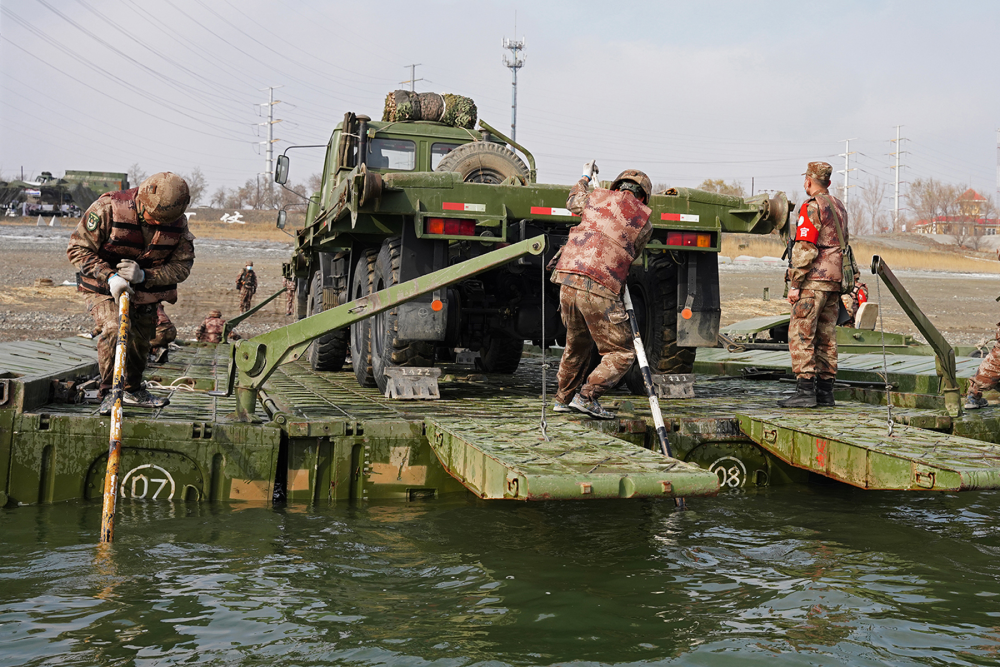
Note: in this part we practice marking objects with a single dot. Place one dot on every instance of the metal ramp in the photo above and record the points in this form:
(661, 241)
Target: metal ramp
(852, 448)
(509, 459)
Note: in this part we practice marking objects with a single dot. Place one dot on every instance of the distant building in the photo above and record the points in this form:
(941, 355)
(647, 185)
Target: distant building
(971, 219)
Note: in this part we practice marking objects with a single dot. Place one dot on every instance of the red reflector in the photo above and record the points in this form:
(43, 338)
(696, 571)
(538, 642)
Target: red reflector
(690, 239)
(686, 313)
(674, 238)
(437, 305)
(450, 227)
(452, 206)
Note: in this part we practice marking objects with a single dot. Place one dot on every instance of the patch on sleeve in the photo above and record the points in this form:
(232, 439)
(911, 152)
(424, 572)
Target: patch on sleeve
(92, 221)
(805, 230)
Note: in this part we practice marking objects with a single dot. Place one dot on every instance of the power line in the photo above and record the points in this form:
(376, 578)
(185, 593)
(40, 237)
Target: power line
(413, 76)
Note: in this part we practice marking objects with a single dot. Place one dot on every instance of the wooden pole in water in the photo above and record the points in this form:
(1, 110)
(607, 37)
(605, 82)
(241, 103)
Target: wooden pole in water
(115, 445)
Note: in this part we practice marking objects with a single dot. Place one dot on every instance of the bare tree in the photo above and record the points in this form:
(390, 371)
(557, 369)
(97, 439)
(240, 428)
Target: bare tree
(219, 198)
(929, 198)
(315, 182)
(197, 185)
(872, 196)
(136, 175)
(719, 186)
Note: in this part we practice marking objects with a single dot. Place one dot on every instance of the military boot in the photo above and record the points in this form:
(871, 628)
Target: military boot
(141, 398)
(804, 396)
(824, 392)
(975, 400)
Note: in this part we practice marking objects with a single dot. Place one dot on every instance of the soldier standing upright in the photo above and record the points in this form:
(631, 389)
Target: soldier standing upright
(138, 241)
(592, 268)
(247, 285)
(814, 291)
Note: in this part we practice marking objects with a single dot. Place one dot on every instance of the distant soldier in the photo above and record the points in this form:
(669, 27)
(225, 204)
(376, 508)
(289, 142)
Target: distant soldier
(136, 241)
(289, 284)
(166, 333)
(247, 285)
(852, 302)
(592, 268)
(814, 291)
(210, 330)
(988, 375)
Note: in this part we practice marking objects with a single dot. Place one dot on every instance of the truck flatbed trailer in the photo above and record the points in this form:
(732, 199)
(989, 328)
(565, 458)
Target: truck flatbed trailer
(318, 437)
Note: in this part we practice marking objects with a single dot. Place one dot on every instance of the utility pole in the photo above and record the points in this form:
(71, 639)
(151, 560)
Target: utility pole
(413, 76)
(514, 63)
(269, 144)
(998, 160)
(897, 167)
(847, 169)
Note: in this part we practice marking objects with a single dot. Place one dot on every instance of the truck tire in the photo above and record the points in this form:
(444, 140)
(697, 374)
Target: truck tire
(500, 354)
(654, 297)
(484, 162)
(387, 349)
(361, 340)
(328, 352)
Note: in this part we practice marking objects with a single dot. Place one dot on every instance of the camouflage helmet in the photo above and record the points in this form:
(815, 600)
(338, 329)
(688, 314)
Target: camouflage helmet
(215, 313)
(163, 196)
(637, 177)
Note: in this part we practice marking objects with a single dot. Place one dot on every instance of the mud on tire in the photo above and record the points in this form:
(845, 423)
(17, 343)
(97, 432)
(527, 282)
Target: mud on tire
(484, 162)
(654, 296)
(361, 341)
(386, 347)
(328, 352)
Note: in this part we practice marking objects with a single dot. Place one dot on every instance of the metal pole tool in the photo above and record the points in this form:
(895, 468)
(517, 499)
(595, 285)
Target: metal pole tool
(115, 445)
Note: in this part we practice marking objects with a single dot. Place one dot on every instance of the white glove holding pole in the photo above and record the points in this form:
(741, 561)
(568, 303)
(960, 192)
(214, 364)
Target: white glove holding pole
(131, 271)
(117, 285)
(589, 169)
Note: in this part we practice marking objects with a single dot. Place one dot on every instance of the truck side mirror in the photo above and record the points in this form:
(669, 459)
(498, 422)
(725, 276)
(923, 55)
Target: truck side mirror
(282, 218)
(281, 170)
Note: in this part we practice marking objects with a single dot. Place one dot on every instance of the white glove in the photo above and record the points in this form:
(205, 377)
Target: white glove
(589, 169)
(117, 285)
(131, 271)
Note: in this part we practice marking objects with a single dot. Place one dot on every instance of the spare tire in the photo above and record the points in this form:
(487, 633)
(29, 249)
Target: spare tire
(484, 162)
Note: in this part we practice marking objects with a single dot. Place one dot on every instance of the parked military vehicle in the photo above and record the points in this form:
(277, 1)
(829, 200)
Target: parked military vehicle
(69, 195)
(399, 200)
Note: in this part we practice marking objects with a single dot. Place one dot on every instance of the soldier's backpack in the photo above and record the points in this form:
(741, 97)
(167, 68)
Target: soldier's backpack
(849, 267)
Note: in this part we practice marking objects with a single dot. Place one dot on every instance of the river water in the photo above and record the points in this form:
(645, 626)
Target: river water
(806, 575)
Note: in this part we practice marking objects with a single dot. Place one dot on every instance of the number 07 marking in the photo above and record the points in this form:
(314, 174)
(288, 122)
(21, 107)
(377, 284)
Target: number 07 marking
(137, 484)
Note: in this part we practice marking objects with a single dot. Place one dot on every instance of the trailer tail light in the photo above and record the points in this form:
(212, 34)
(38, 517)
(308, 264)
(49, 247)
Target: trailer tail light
(450, 227)
(689, 239)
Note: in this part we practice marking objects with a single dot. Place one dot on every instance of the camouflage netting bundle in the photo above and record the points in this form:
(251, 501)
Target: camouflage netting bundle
(453, 110)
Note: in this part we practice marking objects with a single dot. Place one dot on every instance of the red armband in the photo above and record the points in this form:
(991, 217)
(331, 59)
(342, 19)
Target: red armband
(804, 229)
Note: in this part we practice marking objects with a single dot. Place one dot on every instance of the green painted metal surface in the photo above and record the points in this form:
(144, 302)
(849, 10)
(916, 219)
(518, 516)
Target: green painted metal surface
(840, 444)
(509, 459)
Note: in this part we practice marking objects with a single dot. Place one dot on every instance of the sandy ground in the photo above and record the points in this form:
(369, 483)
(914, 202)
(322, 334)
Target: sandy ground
(963, 306)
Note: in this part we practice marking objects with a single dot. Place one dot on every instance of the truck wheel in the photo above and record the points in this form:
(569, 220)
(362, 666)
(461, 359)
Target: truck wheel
(654, 297)
(387, 348)
(484, 162)
(500, 354)
(328, 352)
(361, 338)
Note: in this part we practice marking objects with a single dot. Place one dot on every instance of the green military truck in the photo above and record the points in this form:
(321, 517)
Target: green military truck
(402, 199)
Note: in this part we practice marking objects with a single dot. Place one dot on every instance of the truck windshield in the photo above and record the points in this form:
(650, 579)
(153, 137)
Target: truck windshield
(438, 151)
(392, 154)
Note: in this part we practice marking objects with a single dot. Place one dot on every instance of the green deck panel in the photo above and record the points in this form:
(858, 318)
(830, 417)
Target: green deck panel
(852, 447)
(509, 459)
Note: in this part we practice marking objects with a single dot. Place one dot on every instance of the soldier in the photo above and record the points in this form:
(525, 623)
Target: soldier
(986, 378)
(166, 333)
(289, 284)
(592, 268)
(852, 303)
(814, 291)
(247, 285)
(210, 330)
(138, 241)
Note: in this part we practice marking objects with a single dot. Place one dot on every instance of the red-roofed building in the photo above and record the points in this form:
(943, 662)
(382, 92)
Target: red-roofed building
(971, 220)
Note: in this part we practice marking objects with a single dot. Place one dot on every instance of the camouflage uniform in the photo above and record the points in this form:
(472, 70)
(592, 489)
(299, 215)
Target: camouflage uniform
(289, 295)
(816, 271)
(988, 375)
(109, 231)
(592, 269)
(210, 330)
(166, 332)
(852, 302)
(247, 285)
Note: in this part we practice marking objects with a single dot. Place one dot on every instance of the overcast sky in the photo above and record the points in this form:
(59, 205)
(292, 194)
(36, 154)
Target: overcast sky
(683, 90)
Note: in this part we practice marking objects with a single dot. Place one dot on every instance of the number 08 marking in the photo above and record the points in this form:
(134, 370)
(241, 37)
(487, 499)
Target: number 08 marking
(136, 484)
(731, 471)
